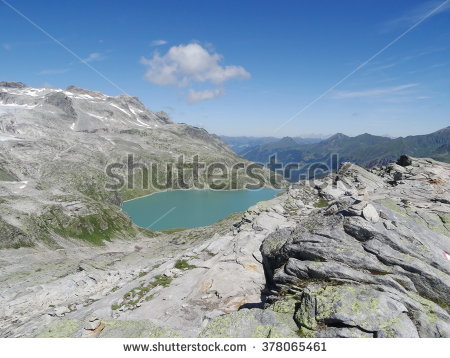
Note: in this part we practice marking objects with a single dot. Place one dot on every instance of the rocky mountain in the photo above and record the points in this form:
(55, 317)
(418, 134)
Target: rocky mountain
(366, 150)
(54, 147)
(357, 254)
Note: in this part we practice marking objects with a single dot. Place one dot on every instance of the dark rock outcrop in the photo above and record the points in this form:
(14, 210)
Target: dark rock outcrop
(61, 101)
(7, 84)
(367, 269)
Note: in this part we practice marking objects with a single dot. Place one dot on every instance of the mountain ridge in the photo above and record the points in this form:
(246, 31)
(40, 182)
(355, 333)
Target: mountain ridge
(55, 146)
(365, 149)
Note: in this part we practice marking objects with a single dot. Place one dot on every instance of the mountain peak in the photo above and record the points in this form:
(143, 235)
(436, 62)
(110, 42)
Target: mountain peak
(79, 90)
(336, 137)
(287, 141)
(443, 130)
(7, 84)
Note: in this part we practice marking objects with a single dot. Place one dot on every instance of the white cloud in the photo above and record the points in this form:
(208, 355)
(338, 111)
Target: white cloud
(185, 64)
(95, 56)
(397, 90)
(158, 42)
(197, 96)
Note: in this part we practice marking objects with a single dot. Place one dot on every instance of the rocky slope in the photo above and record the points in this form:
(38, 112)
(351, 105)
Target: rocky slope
(54, 148)
(358, 254)
(373, 262)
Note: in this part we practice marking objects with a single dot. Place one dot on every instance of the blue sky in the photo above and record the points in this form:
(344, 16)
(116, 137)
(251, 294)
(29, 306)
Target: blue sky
(245, 67)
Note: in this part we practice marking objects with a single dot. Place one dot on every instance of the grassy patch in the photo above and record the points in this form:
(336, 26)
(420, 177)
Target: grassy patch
(19, 244)
(321, 203)
(13, 237)
(161, 280)
(176, 229)
(95, 228)
(183, 265)
(141, 293)
(148, 232)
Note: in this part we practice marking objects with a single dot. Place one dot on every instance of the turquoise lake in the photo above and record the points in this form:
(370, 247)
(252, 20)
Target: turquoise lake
(191, 208)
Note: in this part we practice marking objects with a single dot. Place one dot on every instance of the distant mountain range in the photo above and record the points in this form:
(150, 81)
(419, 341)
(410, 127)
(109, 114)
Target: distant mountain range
(366, 150)
(243, 144)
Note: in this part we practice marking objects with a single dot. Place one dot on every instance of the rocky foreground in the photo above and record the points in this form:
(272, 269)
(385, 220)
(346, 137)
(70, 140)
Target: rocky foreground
(358, 254)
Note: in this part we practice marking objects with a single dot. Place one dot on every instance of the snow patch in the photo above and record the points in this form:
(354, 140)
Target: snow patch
(121, 109)
(144, 124)
(16, 106)
(4, 138)
(96, 116)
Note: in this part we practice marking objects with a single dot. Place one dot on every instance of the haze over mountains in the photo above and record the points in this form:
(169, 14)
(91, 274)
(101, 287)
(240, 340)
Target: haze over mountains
(241, 145)
(366, 150)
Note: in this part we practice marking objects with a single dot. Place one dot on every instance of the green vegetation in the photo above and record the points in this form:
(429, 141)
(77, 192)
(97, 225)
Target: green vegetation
(171, 231)
(148, 232)
(13, 237)
(19, 244)
(183, 265)
(321, 203)
(161, 280)
(93, 228)
(141, 293)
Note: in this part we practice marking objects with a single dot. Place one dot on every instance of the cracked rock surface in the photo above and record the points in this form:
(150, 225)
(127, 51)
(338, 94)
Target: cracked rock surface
(374, 261)
(312, 262)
